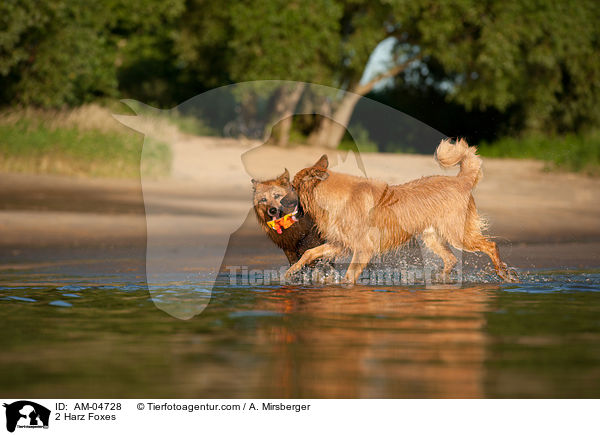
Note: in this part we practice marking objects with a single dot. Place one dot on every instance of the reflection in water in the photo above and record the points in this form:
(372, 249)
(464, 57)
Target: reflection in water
(378, 343)
(540, 339)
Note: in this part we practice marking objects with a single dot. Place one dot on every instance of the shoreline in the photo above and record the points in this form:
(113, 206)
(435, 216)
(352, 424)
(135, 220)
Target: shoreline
(539, 219)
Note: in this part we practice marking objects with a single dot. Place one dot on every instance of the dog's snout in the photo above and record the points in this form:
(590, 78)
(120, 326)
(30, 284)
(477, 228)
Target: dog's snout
(272, 211)
(289, 201)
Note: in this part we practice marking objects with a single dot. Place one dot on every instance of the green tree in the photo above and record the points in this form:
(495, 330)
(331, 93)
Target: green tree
(534, 59)
(281, 40)
(364, 24)
(325, 42)
(537, 58)
(66, 52)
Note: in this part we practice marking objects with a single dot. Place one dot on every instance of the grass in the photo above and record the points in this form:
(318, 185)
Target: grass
(365, 147)
(88, 141)
(577, 153)
(191, 125)
(361, 137)
(81, 142)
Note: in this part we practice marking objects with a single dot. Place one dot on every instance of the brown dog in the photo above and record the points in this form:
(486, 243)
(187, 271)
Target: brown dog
(299, 237)
(365, 217)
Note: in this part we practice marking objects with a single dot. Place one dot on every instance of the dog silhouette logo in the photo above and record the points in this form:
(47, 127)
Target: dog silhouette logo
(200, 248)
(26, 414)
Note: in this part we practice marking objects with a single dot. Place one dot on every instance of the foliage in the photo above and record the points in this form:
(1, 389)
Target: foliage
(522, 68)
(66, 52)
(324, 41)
(36, 142)
(571, 152)
(283, 39)
(535, 58)
(361, 139)
(192, 125)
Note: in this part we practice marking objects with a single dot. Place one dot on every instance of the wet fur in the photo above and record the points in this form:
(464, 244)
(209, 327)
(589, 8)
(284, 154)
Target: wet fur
(366, 217)
(295, 240)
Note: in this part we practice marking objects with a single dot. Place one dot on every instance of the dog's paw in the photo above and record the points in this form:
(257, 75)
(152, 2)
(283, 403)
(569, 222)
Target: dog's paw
(347, 282)
(326, 275)
(509, 275)
(445, 277)
(513, 277)
(289, 274)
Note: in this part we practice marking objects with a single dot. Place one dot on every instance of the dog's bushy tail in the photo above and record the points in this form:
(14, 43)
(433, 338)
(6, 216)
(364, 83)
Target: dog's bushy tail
(460, 153)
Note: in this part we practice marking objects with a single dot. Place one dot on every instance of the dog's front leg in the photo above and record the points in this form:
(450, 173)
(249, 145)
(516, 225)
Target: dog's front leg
(359, 261)
(325, 250)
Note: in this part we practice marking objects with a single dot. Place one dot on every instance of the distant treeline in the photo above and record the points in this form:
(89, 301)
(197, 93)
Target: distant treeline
(483, 69)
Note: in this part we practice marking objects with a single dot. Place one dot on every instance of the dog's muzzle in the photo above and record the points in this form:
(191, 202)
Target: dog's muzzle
(290, 202)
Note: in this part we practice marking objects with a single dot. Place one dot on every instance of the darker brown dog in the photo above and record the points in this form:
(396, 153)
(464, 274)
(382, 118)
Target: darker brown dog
(299, 237)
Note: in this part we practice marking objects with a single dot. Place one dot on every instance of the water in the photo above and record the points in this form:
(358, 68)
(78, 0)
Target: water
(102, 336)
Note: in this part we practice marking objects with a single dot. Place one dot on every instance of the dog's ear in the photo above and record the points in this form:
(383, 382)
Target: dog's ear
(285, 177)
(321, 175)
(254, 184)
(323, 163)
(316, 174)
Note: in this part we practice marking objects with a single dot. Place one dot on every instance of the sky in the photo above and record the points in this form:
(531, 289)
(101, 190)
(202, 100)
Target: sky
(380, 61)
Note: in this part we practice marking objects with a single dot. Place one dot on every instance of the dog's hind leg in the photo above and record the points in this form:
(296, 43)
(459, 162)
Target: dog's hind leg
(438, 246)
(325, 250)
(473, 240)
(480, 243)
(359, 261)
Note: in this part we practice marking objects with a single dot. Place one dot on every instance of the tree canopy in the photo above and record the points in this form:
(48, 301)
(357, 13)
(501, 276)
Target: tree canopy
(533, 62)
(536, 58)
(67, 52)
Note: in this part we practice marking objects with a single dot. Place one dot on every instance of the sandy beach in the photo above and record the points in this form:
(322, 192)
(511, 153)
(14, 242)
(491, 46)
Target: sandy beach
(540, 219)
